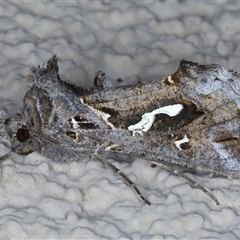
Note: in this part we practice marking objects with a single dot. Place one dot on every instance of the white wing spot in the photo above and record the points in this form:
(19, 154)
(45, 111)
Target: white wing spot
(170, 79)
(179, 142)
(74, 123)
(100, 114)
(148, 118)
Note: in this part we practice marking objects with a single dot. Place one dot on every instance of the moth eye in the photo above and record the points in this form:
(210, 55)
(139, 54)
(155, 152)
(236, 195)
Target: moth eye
(22, 134)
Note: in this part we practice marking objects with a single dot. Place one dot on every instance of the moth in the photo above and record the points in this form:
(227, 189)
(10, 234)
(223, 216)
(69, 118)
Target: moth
(188, 121)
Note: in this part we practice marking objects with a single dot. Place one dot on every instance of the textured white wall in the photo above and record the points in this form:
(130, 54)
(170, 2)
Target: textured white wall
(43, 199)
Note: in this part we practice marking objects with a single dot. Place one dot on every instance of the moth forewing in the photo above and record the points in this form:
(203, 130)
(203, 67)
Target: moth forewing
(188, 120)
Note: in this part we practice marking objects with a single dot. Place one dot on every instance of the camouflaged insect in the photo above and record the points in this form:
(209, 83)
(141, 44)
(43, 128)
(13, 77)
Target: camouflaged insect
(188, 121)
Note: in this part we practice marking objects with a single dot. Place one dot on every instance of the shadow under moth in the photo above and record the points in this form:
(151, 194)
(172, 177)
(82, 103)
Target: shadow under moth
(188, 121)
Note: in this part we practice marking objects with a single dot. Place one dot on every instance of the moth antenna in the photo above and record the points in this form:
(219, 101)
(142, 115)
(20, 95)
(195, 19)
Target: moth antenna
(115, 169)
(189, 180)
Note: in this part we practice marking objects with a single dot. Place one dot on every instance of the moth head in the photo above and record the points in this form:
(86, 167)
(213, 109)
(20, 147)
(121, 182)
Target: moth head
(17, 136)
(12, 125)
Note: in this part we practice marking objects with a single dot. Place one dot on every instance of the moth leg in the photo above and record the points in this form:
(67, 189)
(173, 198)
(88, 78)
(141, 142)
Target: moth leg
(22, 149)
(188, 179)
(5, 156)
(115, 169)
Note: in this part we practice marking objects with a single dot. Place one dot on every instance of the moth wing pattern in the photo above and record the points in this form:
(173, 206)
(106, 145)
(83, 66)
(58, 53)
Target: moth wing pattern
(209, 119)
(65, 122)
